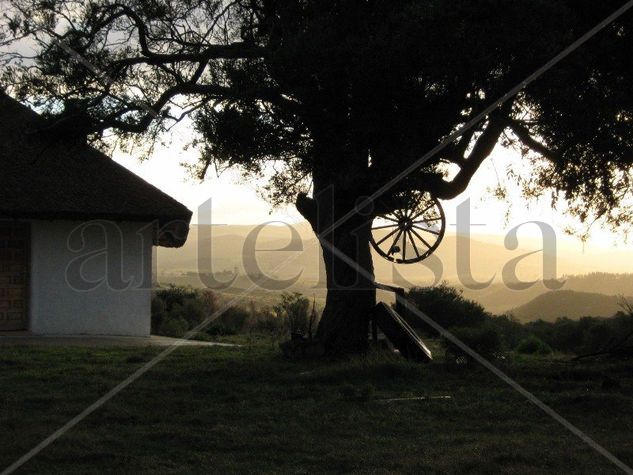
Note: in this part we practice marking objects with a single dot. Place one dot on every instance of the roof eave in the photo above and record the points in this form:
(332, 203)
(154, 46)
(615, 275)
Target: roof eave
(169, 231)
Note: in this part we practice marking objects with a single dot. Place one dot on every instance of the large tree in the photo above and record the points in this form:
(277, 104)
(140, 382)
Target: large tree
(340, 96)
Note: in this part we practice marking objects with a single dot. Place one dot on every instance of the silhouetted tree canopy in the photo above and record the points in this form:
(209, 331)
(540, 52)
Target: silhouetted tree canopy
(381, 81)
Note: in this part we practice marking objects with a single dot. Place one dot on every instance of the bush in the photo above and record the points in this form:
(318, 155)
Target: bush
(235, 319)
(447, 306)
(268, 322)
(484, 340)
(173, 295)
(174, 327)
(533, 345)
(510, 330)
(194, 313)
(176, 310)
(220, 329)
(208, 300)
(586, 335)
(293, 308)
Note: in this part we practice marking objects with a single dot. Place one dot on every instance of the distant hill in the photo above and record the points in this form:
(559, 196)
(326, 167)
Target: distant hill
(221, 248)
(567, 303)
(498, 298)
(601, 282)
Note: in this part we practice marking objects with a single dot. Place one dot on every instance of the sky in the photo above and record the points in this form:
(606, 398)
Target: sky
(237, 202)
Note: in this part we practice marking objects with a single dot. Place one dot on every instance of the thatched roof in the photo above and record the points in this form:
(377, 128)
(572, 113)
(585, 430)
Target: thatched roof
(55, 178)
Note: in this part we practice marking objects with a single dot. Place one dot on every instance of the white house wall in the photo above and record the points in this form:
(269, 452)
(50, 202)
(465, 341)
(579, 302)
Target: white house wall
(91, 279)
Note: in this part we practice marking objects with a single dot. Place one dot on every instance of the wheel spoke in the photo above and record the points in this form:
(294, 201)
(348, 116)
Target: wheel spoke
(432, 231)
(415, 248)
(423, 211)
(387, 236)
(404, 246)
(395, 241)
(389, 218)
(384, 227)
(421, 238)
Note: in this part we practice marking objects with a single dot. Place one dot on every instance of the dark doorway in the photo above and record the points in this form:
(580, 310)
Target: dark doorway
(14, 275)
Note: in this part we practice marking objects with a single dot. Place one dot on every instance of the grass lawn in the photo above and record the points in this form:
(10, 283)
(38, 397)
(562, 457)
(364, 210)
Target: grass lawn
(241, 410)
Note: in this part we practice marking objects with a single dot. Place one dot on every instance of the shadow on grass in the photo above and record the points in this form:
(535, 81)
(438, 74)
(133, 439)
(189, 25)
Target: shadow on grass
(249, 410)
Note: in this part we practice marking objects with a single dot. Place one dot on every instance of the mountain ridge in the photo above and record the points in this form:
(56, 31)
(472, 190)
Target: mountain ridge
(567, 303)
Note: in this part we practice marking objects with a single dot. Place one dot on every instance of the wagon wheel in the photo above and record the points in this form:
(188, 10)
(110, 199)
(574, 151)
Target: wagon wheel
(412, 231)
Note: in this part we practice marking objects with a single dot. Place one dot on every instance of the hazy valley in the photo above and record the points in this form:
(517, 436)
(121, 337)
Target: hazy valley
(276, 258)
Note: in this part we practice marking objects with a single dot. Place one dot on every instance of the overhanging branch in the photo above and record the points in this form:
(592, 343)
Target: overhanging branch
(209, 90)
(229, 51)
(523, 134)
(483, 147)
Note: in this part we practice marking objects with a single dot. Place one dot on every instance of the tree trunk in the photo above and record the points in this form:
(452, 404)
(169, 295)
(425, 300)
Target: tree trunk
(351, 293)
(339, 178)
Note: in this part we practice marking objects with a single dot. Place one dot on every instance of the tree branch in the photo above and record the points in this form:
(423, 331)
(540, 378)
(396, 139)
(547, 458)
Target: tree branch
(482, 149)
(523, 134)
(229, 51)
(455, 152)
(209, 90)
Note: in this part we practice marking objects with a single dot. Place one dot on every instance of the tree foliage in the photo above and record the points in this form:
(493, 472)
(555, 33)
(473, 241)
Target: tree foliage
(344, 93)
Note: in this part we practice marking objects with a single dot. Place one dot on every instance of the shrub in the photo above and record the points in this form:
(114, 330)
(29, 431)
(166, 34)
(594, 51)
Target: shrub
(208, 300)
(174, 327)
(447, 306)
(173, 295)
(234, 318)
(175, 310)
(294, 307)
(220, 329)
(268, 322)
(484, 340)
(533, 345)
(586, 335)
(193, 312)
(598, 335)
(510, 330)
